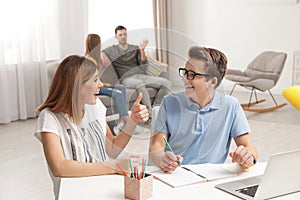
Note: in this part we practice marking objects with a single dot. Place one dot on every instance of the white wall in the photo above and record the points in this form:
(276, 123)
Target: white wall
(241, 29)
(105, 16)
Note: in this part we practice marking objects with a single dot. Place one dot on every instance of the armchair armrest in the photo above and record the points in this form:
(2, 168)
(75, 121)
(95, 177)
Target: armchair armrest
(234, 72)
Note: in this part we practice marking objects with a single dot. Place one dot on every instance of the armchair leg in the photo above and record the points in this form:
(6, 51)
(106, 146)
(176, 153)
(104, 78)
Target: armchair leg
(252, 90)
(272, 97)
(232, 89)
(255, 95)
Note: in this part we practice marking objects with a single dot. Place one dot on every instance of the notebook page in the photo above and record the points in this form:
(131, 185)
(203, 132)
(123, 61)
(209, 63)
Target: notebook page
(180, 177)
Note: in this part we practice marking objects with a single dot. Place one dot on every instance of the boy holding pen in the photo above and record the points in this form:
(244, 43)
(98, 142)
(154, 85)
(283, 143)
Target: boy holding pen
(198, 124)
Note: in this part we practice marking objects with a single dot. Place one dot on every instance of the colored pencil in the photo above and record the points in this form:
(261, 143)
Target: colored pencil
(131, 169)
(167, 143)
(144, 172)
(136, 172)
(122, 170)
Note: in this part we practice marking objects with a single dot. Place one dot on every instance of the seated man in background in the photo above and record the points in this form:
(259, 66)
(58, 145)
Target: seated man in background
(116, 92)
(130, 64)
(200, 122)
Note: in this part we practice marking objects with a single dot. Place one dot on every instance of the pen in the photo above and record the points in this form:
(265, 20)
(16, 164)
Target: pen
(167, 143)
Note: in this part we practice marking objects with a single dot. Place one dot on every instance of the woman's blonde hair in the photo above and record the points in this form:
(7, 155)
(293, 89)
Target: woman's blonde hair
(65, 90)
(93, 48)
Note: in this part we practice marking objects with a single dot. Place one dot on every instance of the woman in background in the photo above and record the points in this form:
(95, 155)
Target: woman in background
(116, 92)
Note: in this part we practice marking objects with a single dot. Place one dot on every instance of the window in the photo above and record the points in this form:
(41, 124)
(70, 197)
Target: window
(28, 38)
(29, 32)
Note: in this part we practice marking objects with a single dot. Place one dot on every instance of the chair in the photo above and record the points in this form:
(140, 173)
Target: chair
(261, 74)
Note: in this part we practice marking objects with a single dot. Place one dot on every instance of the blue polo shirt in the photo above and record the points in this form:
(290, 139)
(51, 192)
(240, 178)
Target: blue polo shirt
(201, 135)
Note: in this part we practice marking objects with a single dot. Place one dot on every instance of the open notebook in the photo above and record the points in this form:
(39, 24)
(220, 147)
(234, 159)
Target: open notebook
(191, 174)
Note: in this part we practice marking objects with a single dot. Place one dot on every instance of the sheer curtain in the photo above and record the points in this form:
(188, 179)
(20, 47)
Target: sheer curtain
(29, 37)
(162, 24)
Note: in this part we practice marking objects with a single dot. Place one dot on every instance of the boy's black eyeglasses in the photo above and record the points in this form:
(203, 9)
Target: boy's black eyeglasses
(190, 75)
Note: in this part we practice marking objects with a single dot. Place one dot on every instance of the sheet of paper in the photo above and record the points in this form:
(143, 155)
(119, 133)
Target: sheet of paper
(180, 177)
(211, 171)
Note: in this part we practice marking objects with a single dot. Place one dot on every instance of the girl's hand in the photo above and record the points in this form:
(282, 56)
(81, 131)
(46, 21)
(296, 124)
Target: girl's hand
(139, 112)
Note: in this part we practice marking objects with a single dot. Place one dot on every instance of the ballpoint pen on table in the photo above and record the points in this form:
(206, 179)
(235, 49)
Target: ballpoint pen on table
(167, 143)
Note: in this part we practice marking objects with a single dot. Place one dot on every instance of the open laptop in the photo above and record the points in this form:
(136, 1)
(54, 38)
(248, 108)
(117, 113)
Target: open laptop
(281, 177)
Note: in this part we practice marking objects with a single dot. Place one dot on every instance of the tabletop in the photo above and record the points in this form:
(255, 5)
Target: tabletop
(112, 187)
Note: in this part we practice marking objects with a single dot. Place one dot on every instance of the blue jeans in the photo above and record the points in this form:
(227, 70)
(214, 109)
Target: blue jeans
(118, 94)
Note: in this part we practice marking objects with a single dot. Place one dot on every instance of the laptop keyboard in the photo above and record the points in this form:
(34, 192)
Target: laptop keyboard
(250, 191)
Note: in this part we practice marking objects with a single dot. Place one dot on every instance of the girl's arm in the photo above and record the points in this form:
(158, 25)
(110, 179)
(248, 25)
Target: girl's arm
(115, 144)
(61, 167)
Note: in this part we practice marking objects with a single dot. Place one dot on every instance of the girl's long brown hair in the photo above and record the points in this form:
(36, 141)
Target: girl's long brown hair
(65, 90)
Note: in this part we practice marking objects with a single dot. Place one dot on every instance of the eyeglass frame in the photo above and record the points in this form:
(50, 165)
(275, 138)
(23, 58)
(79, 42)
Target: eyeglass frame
(193, 74)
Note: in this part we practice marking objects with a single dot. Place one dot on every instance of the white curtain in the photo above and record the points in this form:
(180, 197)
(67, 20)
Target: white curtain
(162, 24)
(28, 38)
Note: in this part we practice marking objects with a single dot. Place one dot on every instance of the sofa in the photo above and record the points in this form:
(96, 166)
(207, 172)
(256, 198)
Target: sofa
(109, 75)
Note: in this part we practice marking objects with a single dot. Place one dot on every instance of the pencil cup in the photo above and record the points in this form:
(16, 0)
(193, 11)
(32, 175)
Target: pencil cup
(138, 189)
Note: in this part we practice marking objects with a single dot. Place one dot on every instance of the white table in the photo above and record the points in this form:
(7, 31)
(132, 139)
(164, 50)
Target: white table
(111, 187)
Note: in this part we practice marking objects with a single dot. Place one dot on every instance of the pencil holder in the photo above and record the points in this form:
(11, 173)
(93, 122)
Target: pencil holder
(138, 188)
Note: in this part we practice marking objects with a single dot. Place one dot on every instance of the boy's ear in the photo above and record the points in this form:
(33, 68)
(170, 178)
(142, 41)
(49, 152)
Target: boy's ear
(214, 81)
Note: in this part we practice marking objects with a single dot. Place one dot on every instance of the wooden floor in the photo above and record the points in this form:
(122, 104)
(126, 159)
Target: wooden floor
(24, 175)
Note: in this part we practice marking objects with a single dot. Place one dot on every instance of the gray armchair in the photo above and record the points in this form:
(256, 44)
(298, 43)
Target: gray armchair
(261, 74)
